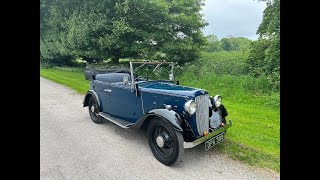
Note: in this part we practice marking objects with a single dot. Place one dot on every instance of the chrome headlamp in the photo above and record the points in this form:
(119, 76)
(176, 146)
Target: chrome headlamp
(190, 107)
(217, 100)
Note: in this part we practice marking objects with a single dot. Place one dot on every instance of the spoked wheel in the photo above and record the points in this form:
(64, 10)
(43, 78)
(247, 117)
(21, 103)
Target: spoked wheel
(94, 110)
(165, 142)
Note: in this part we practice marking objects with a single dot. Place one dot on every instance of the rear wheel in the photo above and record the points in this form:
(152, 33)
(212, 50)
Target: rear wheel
(94, 110)
(165, 142)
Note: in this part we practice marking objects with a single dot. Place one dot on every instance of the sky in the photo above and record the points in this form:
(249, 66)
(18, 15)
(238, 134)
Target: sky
(239, 18)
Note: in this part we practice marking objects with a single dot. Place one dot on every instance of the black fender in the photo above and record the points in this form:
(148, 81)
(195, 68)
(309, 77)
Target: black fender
(86, 98)
(168, 115)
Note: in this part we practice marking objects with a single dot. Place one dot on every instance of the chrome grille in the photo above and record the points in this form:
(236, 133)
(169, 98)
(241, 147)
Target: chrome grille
(202, 113)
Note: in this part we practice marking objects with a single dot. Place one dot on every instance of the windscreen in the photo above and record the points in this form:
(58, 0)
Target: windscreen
(154, 71)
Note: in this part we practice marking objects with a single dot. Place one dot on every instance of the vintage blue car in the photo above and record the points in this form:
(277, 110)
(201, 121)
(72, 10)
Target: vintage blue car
(175, 116)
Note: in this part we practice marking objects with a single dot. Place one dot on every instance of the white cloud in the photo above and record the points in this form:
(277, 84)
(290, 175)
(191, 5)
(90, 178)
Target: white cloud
(233, 17)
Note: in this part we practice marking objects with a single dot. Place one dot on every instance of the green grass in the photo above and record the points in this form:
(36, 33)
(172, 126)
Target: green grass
(254, 109)
(248, 155)
(73, 79)
(255, 135)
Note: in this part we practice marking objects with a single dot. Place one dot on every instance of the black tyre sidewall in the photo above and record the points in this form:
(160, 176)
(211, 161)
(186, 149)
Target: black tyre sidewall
(173, 133)
(97, 119)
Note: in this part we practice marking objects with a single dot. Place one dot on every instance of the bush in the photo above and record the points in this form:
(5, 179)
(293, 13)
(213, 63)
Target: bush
(228, 71)
(232, 62)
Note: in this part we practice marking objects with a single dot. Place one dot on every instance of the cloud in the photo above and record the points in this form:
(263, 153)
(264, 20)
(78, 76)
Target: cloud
(233, 17)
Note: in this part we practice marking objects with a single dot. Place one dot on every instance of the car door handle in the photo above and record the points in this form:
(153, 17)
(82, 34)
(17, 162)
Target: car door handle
(107, 90)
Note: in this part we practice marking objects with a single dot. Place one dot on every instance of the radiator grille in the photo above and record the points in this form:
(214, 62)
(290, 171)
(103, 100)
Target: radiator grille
(202, 113)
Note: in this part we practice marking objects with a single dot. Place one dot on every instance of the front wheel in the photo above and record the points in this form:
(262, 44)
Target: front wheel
(165, 142)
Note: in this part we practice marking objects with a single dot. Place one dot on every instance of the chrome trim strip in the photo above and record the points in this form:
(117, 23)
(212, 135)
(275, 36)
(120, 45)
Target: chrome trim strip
(142, 103)
(132, 77)
(165, 94)
(205, 138)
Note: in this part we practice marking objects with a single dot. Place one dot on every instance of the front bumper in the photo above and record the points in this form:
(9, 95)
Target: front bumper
(205, 138)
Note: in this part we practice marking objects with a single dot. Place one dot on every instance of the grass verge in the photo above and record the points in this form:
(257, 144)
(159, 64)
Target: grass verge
(254, 137)
(73, 79)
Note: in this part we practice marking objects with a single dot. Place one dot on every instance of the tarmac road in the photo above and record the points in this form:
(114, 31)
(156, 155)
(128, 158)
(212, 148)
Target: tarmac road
(73, 147)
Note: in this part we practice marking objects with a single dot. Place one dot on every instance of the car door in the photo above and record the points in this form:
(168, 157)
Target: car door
(120, 102)
(101, 88)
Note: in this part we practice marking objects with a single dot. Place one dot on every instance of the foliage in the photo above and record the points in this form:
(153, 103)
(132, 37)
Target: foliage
(219, 63)
(264, 56)
(213, 44)
(54, 48)
(229, 68)
(270, 25)
(226, 44)
(101, 29)
(234, 43)
(232, 63)
(253, 105)
(256, 58)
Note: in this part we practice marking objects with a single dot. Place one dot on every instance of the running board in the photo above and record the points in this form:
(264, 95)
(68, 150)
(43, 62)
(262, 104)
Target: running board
(117, 121)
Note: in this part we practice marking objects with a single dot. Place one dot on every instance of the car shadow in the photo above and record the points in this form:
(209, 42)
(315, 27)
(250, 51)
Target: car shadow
(192, 157)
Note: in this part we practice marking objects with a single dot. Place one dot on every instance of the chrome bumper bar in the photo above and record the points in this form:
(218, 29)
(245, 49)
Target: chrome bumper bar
(205, 138)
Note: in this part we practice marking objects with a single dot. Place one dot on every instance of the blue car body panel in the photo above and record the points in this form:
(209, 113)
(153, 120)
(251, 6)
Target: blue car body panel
(121, 101)
(156, 94)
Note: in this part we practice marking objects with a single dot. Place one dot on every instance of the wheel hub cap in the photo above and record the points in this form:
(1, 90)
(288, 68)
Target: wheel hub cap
(160, 141)
(92, 109)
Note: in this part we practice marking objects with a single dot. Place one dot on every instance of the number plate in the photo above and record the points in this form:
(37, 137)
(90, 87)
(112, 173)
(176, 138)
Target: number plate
(214, 141)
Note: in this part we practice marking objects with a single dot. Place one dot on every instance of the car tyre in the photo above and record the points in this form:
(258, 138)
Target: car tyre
(165, 142)
(94, 110)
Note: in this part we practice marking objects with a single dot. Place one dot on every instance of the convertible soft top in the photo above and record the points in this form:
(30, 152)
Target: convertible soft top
(90, 73)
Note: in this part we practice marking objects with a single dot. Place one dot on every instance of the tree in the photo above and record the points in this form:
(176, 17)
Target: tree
(226, 44)
(264, 56)
(256, 57)
(234, 43)
(270, 29)
(54, 45)
(102, 29)
(270, 25)
(213, 44)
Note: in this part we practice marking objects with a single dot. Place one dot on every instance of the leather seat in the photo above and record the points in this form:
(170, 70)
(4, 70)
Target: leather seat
(112, 77)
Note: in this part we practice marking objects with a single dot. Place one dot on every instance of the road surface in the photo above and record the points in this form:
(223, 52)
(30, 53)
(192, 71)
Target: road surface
(73, 147)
